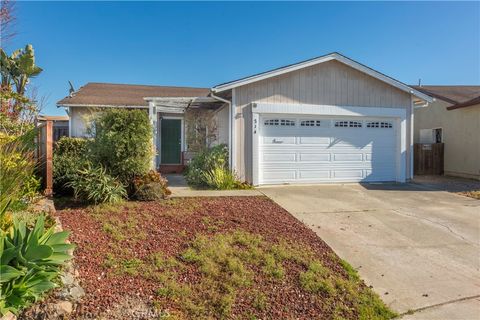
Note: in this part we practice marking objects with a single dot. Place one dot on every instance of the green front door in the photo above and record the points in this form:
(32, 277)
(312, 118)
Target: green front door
(171, 143)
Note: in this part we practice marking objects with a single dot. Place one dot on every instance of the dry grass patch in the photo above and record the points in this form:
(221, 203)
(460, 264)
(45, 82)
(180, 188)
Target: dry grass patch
(475, 194)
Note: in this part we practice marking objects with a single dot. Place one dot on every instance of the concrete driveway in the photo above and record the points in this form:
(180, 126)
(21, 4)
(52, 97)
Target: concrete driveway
(419, 248)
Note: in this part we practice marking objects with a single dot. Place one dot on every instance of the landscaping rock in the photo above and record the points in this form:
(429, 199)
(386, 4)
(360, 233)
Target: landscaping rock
(44, 205)
(9, 316)
(76, 293)
(63, 308)
(67, 279)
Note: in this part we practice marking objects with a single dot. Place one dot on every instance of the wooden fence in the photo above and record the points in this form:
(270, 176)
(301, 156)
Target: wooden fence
(428, 158)
(45, 155)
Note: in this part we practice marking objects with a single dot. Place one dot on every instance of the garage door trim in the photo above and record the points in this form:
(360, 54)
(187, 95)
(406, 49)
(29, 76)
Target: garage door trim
(396, 114)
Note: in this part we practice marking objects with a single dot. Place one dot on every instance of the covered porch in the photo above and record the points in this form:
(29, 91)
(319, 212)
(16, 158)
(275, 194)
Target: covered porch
(182, 126)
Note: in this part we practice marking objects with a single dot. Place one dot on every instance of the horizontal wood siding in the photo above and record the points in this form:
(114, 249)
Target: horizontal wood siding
(329, 83)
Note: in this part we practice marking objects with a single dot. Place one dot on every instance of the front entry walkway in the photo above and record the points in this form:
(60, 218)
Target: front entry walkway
(418, 247)
(180, 189)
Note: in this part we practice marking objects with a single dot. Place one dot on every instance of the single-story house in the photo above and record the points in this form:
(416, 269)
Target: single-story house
(327, 119)
(453, 119)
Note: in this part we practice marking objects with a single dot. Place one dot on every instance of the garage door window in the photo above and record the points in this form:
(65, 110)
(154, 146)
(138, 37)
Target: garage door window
(379, 124)
(310, 123)
(280, 122)
(348, 124)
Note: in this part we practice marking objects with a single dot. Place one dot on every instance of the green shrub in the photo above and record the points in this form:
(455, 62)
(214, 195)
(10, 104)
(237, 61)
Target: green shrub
(151, 187)
(70, 155)
(205, 161)
(220, 178)
(123, 143)
(209, 169)
(93, 184)
(71, 146)
(30, 260)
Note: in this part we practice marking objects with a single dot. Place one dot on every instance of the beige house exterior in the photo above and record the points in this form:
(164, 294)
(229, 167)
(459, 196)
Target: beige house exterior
(459, 124)
(327, 119)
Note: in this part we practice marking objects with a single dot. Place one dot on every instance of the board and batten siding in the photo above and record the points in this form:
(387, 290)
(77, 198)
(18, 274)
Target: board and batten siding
(221, 122)
(328, 83)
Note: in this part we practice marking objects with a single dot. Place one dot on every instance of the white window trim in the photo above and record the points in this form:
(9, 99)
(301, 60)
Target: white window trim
(233, 132)
(397, 114)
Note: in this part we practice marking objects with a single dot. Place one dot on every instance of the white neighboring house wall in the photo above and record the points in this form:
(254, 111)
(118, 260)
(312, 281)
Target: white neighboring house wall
(460, 134)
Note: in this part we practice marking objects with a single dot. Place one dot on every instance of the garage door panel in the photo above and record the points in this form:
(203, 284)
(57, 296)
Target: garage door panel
(279, 175)
(315, 140)
(315, 157)
(279, 157)
(348, 174)
(279, 140)
(313, 174)
(348, 157)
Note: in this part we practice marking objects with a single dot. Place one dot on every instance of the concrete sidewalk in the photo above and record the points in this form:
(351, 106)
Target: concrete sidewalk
(180, 189)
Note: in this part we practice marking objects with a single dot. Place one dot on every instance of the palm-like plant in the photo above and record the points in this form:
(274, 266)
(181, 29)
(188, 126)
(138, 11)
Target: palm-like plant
(23, 68)
(17, 70)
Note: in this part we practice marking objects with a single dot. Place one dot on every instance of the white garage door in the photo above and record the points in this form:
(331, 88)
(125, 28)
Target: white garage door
(293, 149)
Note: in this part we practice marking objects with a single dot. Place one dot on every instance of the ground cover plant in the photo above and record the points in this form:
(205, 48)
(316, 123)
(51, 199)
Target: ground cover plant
(211, 258)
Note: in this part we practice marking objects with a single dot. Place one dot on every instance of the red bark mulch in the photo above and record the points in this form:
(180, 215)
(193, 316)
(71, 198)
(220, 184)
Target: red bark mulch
(169, 227)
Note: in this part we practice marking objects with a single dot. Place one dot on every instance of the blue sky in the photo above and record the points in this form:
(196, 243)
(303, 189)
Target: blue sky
(205, 43)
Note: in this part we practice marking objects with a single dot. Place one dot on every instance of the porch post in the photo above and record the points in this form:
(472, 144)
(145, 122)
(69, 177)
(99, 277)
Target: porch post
(152, 115)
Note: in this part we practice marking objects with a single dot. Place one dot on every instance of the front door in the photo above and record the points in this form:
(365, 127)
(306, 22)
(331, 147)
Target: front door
(171, 141)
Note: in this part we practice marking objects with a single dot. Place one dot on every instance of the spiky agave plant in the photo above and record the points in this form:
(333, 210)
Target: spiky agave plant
(30, 259)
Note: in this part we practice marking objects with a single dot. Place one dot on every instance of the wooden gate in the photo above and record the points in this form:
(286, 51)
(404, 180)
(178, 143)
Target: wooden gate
(428, 158)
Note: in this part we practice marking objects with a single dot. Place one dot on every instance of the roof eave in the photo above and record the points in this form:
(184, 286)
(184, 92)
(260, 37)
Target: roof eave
(80, 105)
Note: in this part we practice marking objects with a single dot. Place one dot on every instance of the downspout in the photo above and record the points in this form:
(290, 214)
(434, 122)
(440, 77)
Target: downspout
(230, 137)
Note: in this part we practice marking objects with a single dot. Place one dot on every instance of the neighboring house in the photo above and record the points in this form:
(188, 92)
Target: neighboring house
(328, 119)
(453, 119)
(60, 125)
